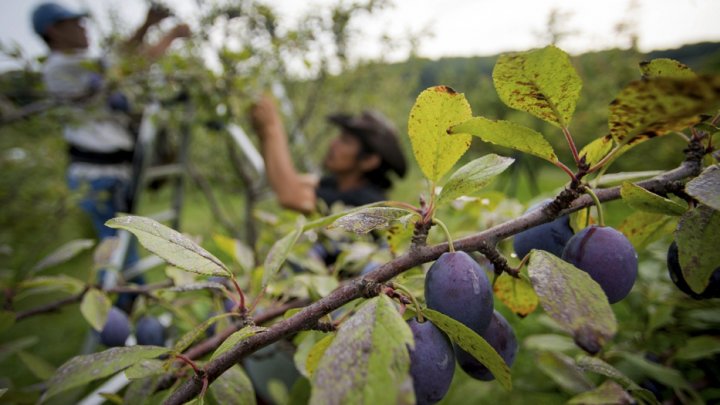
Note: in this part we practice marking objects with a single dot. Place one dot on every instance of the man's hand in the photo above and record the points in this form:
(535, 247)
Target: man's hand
(157, 13)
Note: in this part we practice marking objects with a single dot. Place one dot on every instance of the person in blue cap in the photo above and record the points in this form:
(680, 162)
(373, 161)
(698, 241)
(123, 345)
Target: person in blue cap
(96, 130)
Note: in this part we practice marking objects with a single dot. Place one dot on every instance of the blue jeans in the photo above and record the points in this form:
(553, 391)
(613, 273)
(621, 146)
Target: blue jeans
(103, 199)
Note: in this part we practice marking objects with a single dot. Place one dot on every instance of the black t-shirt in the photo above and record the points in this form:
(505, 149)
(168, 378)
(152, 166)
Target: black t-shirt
(328, 192)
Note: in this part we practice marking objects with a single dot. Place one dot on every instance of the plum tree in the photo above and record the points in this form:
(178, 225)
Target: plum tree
(432, 362)
(116, 329)
(458, 287)
(676, 275)
(550, 237)
(149, 331)
(500, 336)
(607, 256)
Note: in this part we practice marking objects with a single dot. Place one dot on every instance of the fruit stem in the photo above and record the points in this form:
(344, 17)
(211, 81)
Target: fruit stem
(523, 261)
(596, 200)
(407, 292)
(451, 247)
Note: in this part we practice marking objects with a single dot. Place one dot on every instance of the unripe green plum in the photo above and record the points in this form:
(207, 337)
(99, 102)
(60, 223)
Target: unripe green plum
(501, 337)
(458, 287)
(607, 256)
(432, 362)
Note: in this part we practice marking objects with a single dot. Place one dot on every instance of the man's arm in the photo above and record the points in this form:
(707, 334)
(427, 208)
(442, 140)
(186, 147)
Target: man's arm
(155, 15)
(294, 191)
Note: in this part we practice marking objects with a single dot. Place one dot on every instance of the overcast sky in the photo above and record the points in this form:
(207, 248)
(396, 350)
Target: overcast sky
(458, 27)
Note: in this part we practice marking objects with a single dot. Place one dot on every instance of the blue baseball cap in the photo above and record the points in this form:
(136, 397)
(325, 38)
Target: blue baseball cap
(48, 14)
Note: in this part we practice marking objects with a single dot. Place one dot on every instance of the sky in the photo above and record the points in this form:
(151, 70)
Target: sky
(456, 27)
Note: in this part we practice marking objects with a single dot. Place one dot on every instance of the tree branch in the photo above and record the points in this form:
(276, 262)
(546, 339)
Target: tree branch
(310, 315)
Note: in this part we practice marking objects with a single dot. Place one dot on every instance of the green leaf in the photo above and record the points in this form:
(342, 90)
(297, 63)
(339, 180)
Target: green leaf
(12, 347)
(665, 67)
(474, 344)
(642, 228)
(473, 176)
(316, 354)
(643, 200)
(516, 293)
(81, 370)
(665, 375)
(435, 110)
(653, 107)
(239, 251)
(7, 320)
(698, 239)
(706, 187)
(280, 251)
(549, 342)
(598, 366)
(233, 387)
(368, 361)
(94, 307)
(37, 365)
(573, 299)
(45, 284)
(370, 219)
(698, 347)
(608, 392)
(174, 247)
(541, 82)
(615, 179)
(145, 368)
(508, 134)
(235, 338)
(63, 254)
(596, 150)
(188, 338)
(562, 369)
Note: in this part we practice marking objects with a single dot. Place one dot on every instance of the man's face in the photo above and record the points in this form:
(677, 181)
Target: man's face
(342, 154)
(68, 35)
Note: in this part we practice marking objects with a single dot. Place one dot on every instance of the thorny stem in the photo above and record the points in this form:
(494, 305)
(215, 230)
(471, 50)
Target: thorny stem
(448, 236)
(596, 200)
(407, 292)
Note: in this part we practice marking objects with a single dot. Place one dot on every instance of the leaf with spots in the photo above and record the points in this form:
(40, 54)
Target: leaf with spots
(474, 344)
(645, 109)
(643, 228)
(593, 152)
(643, 200)
(370, 219)
(81, 370)
(508, 134)
(437, 109)
(316, 353)
(94, 307)
(368, 361)
(541, 82)
(573, 299)
(608, 392)
(174, 247)
(706, 187)
(233, 387)
(698, 239)
(516, 293)
(664, 67)
(236, 338)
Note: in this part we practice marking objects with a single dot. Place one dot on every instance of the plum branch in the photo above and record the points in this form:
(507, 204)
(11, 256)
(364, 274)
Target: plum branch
(566, 202)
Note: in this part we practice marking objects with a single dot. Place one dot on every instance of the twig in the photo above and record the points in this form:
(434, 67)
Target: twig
(310, 315)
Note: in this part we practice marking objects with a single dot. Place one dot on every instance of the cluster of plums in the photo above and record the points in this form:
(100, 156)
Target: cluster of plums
(117, 329)
(457, 286)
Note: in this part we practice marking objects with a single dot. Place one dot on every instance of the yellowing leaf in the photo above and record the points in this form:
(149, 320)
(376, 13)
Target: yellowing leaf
(508, 134)
(541, 82)
(642, 228)
(656, 106)
(437, 109)
(596, 150)
(516, 293)
(664, 67)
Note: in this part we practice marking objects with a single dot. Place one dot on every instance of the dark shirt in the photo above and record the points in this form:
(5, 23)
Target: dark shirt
(328, 192)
